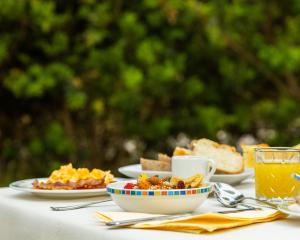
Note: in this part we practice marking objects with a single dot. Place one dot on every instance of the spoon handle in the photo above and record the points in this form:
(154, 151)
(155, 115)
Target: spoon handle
(238, 210)
(78, 206)
(123, 223)
(262, 201)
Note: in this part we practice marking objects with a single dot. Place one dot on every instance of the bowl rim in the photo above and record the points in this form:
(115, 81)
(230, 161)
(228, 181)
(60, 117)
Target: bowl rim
(112, 189)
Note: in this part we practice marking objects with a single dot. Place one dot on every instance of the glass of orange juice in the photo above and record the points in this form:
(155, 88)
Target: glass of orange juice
(248, 153)
(274, 171)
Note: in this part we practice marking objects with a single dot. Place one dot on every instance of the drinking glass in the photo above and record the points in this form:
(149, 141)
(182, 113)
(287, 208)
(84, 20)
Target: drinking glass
(248, 156)
(274, 173)
(249, 152)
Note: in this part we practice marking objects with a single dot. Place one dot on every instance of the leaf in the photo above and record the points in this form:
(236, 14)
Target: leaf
(76, 99)
(132, 78)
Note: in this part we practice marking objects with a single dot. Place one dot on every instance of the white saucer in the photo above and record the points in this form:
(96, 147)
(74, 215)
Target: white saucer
(233, 179)
(26, 186)
(293, 209)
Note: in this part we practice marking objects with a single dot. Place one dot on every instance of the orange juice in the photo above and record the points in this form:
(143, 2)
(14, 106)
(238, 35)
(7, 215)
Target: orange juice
(248, 153)
(249, 158)
(274, 180)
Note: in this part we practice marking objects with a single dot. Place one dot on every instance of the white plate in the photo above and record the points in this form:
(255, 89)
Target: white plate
(233, 179)
(293, 209)
(135, 170)
(26, 186)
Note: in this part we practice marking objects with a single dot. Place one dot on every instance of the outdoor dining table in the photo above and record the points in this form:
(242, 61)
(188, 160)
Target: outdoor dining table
(25, 216)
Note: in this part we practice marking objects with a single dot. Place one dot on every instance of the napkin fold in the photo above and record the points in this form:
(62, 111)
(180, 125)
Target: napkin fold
(208, 222)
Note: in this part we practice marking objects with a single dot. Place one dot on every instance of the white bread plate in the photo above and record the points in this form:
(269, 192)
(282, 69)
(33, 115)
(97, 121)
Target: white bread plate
(158, 201)
(135, 170)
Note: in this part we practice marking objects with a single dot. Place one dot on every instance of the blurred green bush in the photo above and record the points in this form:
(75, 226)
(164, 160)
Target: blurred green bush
(98, 83)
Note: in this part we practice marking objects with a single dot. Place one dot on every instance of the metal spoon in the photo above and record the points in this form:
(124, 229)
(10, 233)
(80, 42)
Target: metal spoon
(231, 196)
(230, 202)
(226, 201)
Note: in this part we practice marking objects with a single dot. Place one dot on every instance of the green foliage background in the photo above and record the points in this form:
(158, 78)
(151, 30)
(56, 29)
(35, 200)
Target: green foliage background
(81, 79)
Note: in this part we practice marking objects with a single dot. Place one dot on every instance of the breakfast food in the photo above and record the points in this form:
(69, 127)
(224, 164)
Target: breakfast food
(297, 146)
(162, 164)
(228, 160)
(69, 178)
(154, 183)
(155, 165)
(164, 158)
(179, 151)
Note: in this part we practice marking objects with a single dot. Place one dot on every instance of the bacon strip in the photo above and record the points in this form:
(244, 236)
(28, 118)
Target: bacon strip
(81, 184)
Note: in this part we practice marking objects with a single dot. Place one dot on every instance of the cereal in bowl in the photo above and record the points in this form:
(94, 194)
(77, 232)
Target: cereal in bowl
(155, 183)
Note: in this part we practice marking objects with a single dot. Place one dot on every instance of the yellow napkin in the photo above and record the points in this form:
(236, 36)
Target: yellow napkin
(207, 222)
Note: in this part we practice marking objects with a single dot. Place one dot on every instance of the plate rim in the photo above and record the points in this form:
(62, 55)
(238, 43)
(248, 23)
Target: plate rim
(12, 185)
(285, 209)
(247, 171)
(150, 171)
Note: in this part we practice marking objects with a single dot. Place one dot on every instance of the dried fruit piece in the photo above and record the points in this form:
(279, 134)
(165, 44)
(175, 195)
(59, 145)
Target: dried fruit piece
(180, 185)
(194, 181)
(174, 181)
(166, 179)
(154, 180)
(129, 186)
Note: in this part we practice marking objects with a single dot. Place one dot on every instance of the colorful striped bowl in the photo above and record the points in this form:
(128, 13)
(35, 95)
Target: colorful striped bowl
(158, 201)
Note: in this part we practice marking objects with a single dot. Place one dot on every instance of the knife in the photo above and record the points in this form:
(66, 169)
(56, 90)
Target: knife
(129, 222)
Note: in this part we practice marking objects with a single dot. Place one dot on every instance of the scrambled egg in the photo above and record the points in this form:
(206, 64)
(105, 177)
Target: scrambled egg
(67, 173)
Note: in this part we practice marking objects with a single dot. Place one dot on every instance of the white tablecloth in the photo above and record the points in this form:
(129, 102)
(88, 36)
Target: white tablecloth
(24, 216)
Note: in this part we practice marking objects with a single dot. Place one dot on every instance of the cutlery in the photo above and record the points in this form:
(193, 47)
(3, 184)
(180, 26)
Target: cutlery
(78, 206)
(231, 197)
(129, 222)
(230, 202)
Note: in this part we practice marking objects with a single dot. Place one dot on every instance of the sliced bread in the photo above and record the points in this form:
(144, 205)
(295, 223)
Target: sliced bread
(228, 160)
(164, 158)
(155, 165)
